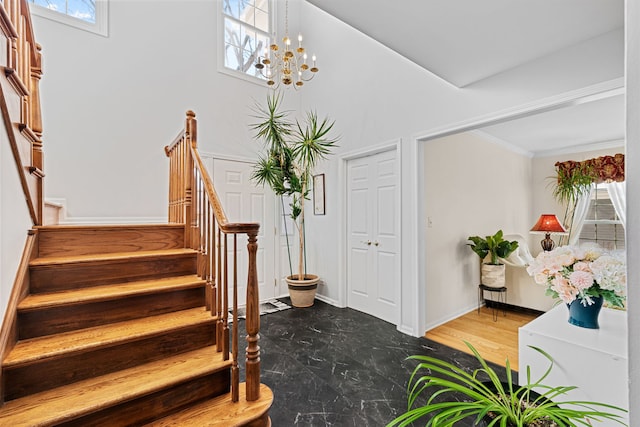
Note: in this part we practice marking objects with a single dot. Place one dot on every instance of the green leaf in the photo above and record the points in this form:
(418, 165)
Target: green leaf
(445, 384)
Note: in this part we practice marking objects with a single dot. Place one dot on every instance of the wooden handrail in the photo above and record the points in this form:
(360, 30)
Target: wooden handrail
(193, 201)
(23, 69)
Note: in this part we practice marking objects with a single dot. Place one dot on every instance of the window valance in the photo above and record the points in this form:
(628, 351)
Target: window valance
(603, 169)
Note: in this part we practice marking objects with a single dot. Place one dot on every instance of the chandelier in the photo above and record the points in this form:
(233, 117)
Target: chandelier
(286, 65)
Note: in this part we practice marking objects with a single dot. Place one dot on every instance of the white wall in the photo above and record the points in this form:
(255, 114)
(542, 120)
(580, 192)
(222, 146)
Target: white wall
(472, 187)
(632, 177)
(111, 104)
(14, 220)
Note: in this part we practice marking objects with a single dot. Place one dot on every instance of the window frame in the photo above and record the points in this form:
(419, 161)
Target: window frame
(222, 67)
(100, 27)
(596, 222)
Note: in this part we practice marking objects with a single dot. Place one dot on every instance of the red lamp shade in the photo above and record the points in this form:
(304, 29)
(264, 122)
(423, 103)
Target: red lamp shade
(548, 224)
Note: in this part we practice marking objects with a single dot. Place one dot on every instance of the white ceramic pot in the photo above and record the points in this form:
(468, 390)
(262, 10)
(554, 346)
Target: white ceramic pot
(493, 275)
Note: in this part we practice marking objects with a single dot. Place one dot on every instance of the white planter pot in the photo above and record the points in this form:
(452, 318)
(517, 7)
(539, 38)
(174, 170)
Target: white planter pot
(302, 292)
(493, 275)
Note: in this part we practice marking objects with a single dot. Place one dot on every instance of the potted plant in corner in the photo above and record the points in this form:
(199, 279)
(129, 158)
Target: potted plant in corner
(492, 273)
(291, 151)
(454, 394)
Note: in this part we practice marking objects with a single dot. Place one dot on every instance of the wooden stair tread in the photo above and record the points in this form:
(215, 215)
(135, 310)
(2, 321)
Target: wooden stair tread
(220, 411)
(71, 401)
(112, 256)
(39, 348)
(107, 292)
(67, 227)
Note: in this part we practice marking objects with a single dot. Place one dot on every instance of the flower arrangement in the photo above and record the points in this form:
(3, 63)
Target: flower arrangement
(582, 273)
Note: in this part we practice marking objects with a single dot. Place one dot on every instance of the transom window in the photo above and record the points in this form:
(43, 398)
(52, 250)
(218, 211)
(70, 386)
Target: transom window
(247, 25)
(602, 225)
(84, 10)
(88, 15)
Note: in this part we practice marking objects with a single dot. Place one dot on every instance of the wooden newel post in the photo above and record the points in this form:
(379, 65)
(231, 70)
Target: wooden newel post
(253, 322)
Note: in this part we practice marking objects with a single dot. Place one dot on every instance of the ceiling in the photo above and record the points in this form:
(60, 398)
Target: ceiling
(467, 41)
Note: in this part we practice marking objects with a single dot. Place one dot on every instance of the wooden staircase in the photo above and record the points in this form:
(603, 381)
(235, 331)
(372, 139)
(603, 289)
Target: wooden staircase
(114, 331)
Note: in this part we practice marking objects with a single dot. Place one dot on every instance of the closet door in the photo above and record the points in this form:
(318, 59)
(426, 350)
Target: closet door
(373, 226)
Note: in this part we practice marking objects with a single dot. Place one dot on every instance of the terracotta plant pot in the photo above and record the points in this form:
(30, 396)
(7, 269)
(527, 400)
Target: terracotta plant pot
(493, 275)
(302, 292)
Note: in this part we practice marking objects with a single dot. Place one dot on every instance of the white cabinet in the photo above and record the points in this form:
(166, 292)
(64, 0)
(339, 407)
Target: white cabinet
(594, 360)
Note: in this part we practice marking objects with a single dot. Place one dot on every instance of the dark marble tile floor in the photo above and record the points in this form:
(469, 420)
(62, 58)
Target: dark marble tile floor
(330, 366)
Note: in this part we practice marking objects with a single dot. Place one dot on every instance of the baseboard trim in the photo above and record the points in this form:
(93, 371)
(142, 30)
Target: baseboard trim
(328, 300)
(511, 307)
(442, 321)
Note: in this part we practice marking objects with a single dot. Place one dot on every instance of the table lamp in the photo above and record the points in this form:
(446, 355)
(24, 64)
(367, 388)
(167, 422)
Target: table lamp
(548, 224)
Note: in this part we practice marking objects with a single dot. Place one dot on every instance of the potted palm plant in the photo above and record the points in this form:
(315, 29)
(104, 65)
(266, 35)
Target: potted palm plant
(492, 273)
(481, 395)
(291, 151)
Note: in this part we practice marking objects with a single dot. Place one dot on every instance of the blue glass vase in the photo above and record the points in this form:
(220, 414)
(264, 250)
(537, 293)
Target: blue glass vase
(585, 316)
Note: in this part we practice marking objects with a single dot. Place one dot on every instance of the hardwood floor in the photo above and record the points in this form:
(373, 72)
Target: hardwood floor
(496, 341)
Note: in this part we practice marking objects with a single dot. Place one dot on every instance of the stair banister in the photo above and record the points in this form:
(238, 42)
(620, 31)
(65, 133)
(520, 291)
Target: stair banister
(23, 69)
(193, 201)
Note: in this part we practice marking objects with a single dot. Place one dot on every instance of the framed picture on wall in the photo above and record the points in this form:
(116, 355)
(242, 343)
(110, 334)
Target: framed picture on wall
(318, 194)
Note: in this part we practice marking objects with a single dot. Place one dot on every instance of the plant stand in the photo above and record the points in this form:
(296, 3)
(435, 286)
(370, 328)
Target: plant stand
(502, 299)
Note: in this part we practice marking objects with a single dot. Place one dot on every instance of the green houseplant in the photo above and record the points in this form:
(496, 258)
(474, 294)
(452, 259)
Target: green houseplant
(492, 401)
(568, 186)
(497, 248)
(291, 151)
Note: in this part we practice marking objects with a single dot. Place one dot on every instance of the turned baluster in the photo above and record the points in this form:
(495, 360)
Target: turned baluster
(253, 321)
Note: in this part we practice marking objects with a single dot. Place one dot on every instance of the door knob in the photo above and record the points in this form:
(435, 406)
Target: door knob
(368, 242)
(376, 243)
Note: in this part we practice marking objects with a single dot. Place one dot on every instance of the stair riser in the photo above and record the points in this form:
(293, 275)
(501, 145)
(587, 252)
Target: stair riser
(54, 320)
(92, 240)
(57, 277)
(46, 374)
(154, 406)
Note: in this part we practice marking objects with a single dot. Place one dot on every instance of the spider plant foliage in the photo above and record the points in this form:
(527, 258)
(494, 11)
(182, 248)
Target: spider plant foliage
(568, 187)
(453, 394)
(292, 149)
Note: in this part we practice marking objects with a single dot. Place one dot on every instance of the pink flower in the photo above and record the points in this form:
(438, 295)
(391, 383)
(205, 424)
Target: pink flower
(567, 294)
(581, 279)
(581, 266)
(560, 284)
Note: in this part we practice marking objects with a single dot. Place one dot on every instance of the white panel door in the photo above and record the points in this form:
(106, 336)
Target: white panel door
(243, 201)
(373, 216)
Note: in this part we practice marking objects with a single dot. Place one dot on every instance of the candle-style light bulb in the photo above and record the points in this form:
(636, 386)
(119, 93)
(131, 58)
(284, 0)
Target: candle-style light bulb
(299, 40)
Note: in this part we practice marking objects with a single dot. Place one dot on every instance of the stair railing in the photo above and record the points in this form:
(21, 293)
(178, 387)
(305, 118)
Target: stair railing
(23, 69)
(193, 201)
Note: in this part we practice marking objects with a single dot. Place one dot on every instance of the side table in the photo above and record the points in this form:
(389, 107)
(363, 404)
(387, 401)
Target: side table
(502, 298)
